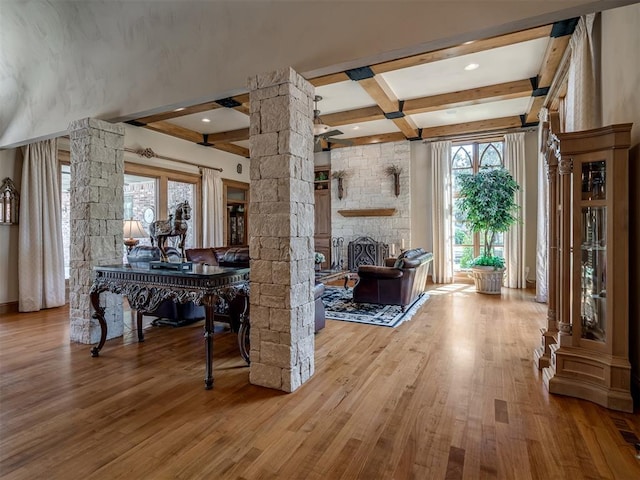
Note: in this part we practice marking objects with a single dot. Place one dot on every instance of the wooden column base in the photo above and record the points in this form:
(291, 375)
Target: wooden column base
(600, 378)
(542, 354)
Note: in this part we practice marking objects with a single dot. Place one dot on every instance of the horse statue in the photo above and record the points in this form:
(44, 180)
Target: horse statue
(176, 226)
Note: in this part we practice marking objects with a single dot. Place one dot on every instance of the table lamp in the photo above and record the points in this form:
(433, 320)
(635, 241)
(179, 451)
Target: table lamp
(132, 231)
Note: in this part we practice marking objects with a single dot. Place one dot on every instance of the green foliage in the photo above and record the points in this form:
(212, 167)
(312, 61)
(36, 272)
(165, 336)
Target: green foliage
(487, 200)
(466, 260)
(487, 261)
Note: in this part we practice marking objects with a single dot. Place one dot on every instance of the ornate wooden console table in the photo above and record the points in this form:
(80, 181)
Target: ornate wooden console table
(145, 288)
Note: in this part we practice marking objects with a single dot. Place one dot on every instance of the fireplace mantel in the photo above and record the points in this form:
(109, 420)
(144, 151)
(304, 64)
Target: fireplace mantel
(368, 212)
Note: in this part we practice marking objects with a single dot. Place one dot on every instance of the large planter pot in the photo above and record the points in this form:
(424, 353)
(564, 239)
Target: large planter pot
(488, 279)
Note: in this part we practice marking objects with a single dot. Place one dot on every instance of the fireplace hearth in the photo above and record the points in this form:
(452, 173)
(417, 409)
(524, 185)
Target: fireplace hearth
(366, 251)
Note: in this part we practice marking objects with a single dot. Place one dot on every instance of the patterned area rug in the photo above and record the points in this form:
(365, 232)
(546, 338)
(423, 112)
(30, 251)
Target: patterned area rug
(338, 305)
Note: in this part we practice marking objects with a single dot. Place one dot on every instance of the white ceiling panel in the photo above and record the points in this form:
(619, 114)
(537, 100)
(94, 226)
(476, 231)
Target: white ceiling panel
(499, 65)
(242, 143)
(341, 96)
(377, 127)
(473, 113)
(221, 120)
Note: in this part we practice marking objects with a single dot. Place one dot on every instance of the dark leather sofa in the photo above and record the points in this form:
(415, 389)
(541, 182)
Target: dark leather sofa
(239, 257)
(234, 257)
(400, 282)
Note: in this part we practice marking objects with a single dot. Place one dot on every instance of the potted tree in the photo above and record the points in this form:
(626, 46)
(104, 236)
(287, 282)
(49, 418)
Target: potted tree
(487, 200)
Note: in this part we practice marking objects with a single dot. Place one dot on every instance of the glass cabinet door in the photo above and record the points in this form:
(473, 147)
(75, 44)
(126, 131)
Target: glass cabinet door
(593, 273)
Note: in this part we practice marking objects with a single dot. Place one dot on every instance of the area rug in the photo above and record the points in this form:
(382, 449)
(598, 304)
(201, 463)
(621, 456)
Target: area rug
(338, 305)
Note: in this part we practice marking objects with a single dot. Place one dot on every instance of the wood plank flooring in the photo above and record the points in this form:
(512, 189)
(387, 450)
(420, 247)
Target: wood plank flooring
(451, 394)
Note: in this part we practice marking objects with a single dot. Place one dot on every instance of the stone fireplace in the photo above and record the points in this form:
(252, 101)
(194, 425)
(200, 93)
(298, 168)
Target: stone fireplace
(366, 251)
(369, 206)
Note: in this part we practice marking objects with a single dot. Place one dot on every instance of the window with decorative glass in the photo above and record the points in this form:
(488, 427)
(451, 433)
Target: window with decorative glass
(470, 159)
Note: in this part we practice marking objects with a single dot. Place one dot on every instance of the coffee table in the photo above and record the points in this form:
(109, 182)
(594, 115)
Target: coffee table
(326, 276)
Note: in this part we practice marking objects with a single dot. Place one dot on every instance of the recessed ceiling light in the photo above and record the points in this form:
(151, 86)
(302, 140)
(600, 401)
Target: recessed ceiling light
(471, 66)
(206, 120)
(179, 109)
(357, 127)
(469, 42)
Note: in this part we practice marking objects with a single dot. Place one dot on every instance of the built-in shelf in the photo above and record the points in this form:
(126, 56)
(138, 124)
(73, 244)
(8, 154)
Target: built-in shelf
(368, 212)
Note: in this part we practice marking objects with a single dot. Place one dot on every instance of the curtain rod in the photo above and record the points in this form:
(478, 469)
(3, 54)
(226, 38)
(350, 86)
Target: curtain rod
(480, 135)
(149, 153)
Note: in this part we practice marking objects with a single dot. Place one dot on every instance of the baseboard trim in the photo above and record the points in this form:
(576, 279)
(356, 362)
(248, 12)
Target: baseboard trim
(9, 307)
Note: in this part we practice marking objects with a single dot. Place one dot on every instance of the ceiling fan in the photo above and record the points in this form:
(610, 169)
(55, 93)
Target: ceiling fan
(322, 131)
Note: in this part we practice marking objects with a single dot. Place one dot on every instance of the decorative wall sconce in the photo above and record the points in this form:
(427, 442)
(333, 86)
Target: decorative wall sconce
(9, 203)
(395, 171)
(340, 175)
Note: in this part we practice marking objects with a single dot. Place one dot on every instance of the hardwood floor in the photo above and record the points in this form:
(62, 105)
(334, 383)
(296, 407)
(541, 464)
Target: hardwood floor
(453, 393)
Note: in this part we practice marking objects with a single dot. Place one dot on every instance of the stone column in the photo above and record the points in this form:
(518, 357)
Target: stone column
(281, 230)
(97, 197)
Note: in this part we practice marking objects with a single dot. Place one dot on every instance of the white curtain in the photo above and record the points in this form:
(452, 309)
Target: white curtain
(542, 249)
(440, 154)
(40, 251)
(514, 238)
(213, 213)
(582, 107)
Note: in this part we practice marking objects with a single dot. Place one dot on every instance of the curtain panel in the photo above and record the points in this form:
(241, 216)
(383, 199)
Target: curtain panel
(440, 156)
(40, 251)
(514, 239)
(542, 234)
(213, 213)
(582, 109)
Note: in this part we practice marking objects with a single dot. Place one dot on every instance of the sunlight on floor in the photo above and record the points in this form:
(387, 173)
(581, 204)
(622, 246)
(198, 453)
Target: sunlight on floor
(452, 288)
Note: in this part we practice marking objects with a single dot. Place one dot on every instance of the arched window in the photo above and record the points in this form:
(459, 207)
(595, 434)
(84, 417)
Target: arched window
(465, 159)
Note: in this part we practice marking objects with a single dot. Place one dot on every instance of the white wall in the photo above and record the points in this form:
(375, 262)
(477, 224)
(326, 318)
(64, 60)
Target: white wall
(621, 104)
(198, 155)
(10, 166)
(421, 210)
(113, 59)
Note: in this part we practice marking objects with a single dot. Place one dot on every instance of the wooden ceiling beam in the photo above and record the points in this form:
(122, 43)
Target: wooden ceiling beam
(175, 131)
(231, 148)
(230, 136)
(359, 115)
(159, 117)
(328, 79)
(380, 91)
(471, 127)
(407, 126)
(464, 49)
(552, 58)
(534, 111)
(371, 139)
(474, 96)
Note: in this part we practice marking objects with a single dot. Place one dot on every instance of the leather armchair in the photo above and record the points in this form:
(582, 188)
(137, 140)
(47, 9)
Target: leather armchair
(400, 284)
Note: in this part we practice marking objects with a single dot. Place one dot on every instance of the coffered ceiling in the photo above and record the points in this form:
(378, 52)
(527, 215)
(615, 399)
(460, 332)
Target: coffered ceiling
(492, 84)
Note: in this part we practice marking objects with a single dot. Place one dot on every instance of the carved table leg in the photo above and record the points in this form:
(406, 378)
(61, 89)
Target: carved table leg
(208, 345)
(98, 315)
(139, 326)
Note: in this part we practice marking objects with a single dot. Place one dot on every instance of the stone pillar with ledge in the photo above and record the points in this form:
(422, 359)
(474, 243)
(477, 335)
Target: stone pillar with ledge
(97, 198)
(282, 229)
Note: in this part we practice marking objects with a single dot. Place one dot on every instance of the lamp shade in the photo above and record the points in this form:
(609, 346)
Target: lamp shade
(133, 229)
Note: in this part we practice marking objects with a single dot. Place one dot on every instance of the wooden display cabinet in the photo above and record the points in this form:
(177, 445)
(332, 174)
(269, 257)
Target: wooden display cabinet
(591, 357)
(236, 197)
(322, 217)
